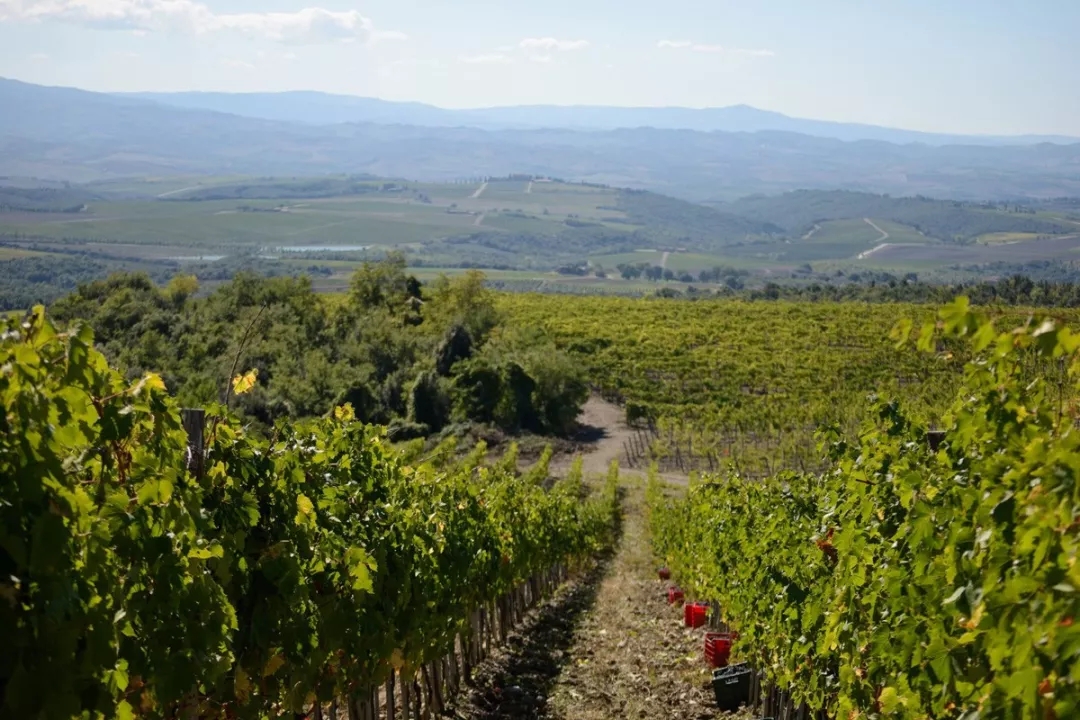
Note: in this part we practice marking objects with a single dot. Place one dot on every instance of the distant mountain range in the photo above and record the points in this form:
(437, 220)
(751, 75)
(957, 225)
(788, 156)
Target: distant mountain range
(317, 108)
(74, 135)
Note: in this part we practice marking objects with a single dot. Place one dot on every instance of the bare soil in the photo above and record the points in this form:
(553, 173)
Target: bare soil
(608, 646)
(602, 436)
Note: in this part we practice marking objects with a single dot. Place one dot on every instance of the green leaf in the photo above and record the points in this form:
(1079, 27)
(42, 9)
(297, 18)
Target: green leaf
(305, 511)
(890, 700)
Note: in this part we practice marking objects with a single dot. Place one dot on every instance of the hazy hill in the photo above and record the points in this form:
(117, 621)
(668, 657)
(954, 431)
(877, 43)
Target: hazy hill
(328, 109)
(65, 134)
(797, 212)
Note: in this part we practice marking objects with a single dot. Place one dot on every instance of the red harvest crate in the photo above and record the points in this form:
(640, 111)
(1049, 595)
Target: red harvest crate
(664, 573)
(674, 595)
(695, 614)
(717, 649)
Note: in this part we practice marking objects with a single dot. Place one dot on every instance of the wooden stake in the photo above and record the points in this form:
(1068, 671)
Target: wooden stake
(194, 422)
(391, 709)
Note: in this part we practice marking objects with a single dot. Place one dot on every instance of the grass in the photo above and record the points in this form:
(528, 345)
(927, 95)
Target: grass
(422, 212)
(1005, 238)
(944, 255)
(222, 223)
(835, 240)
(516, 224)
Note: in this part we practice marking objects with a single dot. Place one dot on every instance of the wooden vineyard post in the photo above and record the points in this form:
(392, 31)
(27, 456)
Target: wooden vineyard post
(934, 438)
(391, 709)
(455, 676)
(194, 422)
(406, 698)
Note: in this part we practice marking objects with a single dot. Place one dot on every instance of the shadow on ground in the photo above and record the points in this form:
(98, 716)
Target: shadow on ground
(589, 434)
(516, 681)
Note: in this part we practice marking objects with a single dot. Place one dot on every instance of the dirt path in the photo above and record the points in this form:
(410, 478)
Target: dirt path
(177, 192)
(608, 647)
(479, 191)
(604, 431)
(884, 235)
(604, 435)
(528, 190)
(480, 219)
(663, 260)
(810, 234)
(631, 656)
(871, 251)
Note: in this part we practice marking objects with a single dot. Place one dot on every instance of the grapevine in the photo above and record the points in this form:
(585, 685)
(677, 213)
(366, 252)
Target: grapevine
(298, 568)
(906, 581)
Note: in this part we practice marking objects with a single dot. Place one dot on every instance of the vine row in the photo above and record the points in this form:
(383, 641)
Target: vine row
(307, 566)
(922, 575)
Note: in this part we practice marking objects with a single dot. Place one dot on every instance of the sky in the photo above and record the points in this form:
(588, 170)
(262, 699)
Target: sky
(957, 66)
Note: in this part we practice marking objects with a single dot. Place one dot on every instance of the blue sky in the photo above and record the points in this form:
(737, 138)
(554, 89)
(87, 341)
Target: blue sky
(993, 66)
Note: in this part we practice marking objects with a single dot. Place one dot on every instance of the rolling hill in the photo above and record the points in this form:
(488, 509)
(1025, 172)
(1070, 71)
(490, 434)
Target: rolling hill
(950, 221)
(66, 134)
(327, 109)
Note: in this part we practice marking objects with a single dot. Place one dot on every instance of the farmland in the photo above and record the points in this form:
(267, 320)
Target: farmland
(328, 226)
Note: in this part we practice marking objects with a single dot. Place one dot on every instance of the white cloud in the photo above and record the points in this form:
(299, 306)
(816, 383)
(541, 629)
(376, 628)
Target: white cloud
(548, 44)
(712, 49)
(39, 57)
(237, 64)
(489, 59)
(307, 26)
(537, 50)
(388, 36)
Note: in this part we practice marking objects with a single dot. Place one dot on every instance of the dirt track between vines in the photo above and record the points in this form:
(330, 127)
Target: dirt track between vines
(607, 646)
(604, 436)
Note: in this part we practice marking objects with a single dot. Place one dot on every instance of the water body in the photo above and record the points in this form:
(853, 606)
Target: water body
(321, 248)
(197, 258)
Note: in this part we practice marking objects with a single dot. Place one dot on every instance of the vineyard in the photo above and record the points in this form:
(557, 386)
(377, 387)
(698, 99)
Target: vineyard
(922, 576)
(712, 383)
(887, 518)
(264, 577)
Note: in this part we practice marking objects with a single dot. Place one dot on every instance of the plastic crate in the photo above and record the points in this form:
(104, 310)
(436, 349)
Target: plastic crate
(674, 595)
(731, 686)
(695, 614)
(717, 649)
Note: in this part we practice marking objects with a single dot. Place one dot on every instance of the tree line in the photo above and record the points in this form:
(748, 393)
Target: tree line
(420, 359)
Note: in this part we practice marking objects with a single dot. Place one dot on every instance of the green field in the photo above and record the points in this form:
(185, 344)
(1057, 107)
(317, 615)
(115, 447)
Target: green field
(1004, 238)
(162, 214)
(682, 261)
(327, 226)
